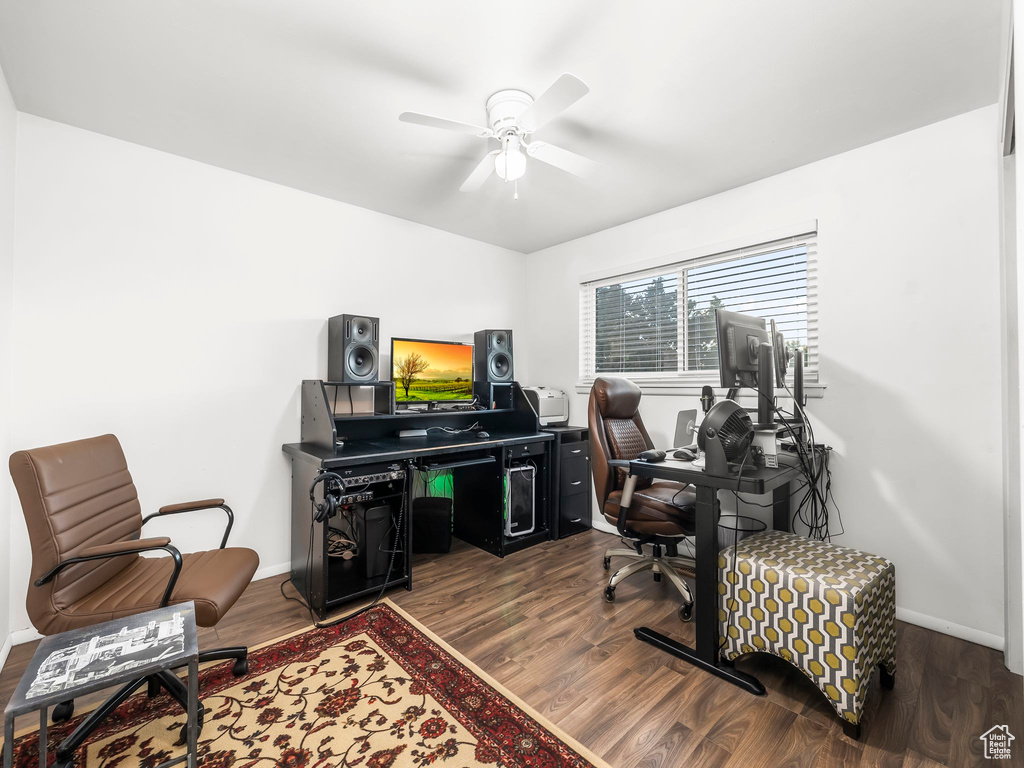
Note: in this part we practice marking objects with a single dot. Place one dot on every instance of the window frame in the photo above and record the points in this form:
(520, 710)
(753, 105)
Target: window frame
(677, 264)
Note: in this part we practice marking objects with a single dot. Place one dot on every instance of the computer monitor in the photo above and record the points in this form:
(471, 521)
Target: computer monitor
(431, 372)
(781, 355)
(739, 339)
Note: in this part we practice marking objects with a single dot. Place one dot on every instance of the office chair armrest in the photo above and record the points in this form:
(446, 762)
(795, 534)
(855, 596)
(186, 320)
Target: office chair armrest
(195, 506)
(124, 547)
(117, 549)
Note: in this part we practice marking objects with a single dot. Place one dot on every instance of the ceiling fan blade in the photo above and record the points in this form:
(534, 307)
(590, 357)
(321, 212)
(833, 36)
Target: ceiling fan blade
(563, 93)
(563, 158)
(449, 125)
(480, 173)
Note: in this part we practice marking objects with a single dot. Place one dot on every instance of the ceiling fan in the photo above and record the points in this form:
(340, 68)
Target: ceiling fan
(513, 115)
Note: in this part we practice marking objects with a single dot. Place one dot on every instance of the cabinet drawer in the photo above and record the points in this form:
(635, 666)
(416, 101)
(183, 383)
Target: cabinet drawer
(569, 450)
(574, 476)
(521, 451)
(574, 512)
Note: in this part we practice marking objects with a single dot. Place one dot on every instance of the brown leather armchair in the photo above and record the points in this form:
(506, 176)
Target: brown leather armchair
(660, 513)
(85, 525)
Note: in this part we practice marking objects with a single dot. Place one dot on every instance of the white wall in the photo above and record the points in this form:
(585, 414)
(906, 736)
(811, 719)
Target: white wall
(1013, 620)
(909, 342)
(179, 306)
(8, 137)
(1010, 311)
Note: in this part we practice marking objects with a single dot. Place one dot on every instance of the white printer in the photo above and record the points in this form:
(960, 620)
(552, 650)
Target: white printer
(551, 405)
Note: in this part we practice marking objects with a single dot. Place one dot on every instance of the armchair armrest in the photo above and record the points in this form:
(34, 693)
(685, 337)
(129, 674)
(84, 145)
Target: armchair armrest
(117, 548)
(194, 506)
(190, 506)
(124, 547)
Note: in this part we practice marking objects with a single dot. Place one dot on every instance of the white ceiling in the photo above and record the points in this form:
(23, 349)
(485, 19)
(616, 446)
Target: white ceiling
(688, 97)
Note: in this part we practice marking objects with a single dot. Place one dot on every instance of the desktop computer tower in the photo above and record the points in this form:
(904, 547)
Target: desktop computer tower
(520, 512)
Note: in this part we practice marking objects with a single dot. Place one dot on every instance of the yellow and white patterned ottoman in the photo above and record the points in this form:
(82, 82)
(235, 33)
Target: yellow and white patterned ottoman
(828, 610)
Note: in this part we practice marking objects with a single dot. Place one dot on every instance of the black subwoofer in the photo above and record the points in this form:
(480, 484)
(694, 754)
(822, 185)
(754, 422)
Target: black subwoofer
(353, 346)
(492, 356)
(431, 524)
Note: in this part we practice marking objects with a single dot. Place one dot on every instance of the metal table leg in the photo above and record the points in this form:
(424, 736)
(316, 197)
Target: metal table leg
(9, 741)
(43, 713)
(193, 712)
(706, 654)
(780, 508)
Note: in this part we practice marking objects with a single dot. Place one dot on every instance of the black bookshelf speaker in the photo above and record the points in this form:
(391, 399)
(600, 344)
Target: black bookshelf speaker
(353, 346)
(492, 356)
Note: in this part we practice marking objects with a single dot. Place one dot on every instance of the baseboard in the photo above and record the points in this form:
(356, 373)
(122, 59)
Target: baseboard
(269, 571)
(5, 650)
(949, 628)
(19, 636)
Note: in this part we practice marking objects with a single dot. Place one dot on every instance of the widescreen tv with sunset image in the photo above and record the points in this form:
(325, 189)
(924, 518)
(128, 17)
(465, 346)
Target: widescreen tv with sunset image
(431, 371)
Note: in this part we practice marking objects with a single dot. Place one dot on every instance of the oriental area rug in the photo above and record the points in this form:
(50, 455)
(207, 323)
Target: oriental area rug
(379, 691)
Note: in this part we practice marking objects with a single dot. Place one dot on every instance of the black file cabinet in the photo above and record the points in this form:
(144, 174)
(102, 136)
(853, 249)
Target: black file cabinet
(570, 479)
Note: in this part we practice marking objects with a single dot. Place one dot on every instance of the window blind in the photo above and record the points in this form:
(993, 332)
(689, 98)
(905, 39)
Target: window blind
(659, 323)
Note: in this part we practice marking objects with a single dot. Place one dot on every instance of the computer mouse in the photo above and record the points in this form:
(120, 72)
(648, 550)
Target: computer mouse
(685, 454)
(481, 434)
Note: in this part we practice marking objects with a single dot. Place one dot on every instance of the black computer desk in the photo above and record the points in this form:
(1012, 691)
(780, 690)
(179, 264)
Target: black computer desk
(362, 445)
(401, 449)
(759, 480)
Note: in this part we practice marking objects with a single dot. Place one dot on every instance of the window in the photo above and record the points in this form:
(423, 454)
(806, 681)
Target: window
(659, 323)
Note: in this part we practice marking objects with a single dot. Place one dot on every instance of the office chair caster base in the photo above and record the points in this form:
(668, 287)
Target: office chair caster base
(686, 612)
(63, 712)
(657, 576)
(183, 733)
(237, 652)
(609, 594)
(607, 563)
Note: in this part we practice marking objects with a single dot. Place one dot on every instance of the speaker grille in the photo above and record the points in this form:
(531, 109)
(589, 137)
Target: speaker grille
(498, 340)
(361, 361)
(499, 366)
(361, 329)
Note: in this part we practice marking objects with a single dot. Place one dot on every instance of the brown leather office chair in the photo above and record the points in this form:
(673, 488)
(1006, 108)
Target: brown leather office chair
(660, 513)
(85, 524)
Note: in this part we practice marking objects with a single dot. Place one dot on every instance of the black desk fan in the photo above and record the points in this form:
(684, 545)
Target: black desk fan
(725, 436)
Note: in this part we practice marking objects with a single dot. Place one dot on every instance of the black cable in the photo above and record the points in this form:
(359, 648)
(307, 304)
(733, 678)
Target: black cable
(813, 508)
(351, 405)
(767, 506)
(474, 427)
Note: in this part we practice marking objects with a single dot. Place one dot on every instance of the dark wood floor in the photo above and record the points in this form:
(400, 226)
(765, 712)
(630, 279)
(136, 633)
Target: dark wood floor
(537, 622)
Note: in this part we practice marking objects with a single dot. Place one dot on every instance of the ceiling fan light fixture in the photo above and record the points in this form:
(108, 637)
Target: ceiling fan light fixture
(510, 164)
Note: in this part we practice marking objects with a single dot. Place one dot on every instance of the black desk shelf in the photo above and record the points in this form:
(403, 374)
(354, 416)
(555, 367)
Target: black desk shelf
(367, 443)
